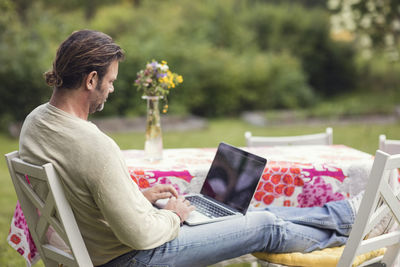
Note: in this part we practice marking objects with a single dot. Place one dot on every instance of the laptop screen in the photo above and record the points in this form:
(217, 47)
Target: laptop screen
(233, 177)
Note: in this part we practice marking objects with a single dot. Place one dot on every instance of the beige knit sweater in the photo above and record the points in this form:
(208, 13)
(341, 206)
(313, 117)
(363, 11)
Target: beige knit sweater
(112, 214)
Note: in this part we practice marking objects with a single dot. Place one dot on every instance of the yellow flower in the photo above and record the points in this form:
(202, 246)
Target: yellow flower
(179, 79)
(165, 109)
(163, 62)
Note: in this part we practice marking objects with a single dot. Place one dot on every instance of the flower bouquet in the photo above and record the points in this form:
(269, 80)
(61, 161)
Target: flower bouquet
(155, 81)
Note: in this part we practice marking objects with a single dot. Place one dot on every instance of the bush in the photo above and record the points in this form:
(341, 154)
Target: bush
(328, 65)
(233, 55)
(25, 55)
(224, 71)
(380, 74)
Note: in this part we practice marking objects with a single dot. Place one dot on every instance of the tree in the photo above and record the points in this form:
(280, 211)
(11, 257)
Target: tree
(375, 23)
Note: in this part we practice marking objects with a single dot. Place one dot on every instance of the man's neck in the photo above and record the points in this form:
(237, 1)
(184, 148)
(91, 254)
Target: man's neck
(71, 101)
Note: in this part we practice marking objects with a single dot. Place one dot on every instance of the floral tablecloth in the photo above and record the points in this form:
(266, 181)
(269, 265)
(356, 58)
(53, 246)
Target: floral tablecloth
(302, 176)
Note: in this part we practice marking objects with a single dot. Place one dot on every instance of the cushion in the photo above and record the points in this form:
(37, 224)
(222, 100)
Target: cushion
(327, 257)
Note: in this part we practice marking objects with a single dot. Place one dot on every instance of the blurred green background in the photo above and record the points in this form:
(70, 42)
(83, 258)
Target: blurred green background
(327, 60)
(234, 55)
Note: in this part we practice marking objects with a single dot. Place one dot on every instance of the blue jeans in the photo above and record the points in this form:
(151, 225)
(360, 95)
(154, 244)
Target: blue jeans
(275, 229)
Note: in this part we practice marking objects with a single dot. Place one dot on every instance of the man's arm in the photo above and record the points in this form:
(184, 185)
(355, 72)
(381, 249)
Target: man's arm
(129, 214)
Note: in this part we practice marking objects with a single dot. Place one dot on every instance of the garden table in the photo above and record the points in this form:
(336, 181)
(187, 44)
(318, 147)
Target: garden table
(302, 176)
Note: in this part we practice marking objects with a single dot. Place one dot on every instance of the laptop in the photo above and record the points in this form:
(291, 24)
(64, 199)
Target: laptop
(228, 187)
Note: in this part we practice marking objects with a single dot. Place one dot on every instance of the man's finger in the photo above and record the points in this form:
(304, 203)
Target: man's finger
(172, 190)
(165, 195)
(167, 188)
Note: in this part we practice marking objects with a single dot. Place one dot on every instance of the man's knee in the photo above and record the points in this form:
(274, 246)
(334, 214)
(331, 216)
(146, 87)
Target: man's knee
(262, 218)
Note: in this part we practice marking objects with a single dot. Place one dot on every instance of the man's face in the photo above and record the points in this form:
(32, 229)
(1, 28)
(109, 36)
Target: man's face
(104, 88)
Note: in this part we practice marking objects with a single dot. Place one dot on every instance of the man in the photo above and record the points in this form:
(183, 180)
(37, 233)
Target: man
(118, 222)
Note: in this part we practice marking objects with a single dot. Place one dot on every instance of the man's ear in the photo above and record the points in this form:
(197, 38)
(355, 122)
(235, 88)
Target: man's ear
(91, 80)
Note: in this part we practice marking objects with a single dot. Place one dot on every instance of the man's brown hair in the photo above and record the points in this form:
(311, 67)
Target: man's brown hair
(81, 53)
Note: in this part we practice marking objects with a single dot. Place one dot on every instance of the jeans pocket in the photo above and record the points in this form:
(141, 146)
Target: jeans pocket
(137, 263)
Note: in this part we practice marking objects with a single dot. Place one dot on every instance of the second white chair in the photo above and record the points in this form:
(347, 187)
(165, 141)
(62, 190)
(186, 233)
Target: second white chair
(325, 138)
(389, 146)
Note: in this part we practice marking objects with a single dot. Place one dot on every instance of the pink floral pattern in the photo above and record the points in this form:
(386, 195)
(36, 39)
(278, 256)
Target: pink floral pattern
(317, 193)
(178, 179)
(297, 184)
(20, 238)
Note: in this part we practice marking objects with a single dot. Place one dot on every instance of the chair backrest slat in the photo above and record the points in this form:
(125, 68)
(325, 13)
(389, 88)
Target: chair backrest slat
(24, 168)
(379, 242)
(29, 192)
(55, 253)
(308, 139)
(389, 146)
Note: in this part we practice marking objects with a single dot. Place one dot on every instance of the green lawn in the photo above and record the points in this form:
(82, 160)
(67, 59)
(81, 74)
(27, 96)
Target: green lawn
(361, 136)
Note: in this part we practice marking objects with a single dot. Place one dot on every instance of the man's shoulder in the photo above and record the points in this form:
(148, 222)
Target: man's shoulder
(51, 125)
(37, 111)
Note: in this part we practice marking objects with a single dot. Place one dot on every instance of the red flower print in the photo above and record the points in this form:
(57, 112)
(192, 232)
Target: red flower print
(295, 170)
(15, 239)
(269, 187)
(258, 195)
(266, 176)
(268, 199)
(287, 179)
(138, 172)
(260, 185)
(134, 178)
(21, 251)
(298, 181)
(276, 178)
(279, 189)
(143, 183)
(289, 191)
(286, 203)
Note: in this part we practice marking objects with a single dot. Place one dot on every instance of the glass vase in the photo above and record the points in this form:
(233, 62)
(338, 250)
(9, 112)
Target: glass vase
(153, 145)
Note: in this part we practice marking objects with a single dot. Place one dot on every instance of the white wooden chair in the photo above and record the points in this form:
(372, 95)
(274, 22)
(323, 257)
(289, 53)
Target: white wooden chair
(308, 139)
(371, 212)
(52, 209)
(389, 146)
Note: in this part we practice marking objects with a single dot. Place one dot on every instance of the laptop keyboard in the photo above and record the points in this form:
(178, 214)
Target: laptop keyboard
(207, 207)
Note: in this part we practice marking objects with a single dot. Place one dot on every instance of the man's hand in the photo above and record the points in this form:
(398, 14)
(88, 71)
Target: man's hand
(160, 191)
(180, 206)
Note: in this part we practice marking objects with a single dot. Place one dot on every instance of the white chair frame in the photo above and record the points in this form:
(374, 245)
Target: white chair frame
(325, 138)
(53, 210)
(389, 146)
(370, 213)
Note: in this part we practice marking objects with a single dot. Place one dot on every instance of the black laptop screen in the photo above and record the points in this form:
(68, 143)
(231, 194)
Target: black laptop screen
(233, 177)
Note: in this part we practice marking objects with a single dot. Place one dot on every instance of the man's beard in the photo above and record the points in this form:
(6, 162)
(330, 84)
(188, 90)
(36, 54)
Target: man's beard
(100, 107)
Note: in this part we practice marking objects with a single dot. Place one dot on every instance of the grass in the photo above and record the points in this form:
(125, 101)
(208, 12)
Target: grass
(360, 136)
